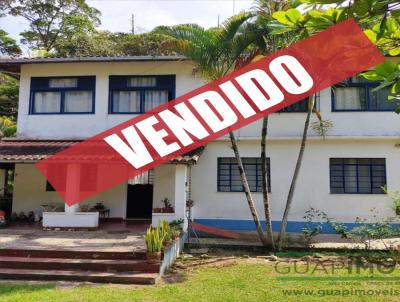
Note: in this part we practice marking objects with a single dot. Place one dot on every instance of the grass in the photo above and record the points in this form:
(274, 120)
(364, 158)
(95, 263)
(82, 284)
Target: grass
(368, 254)
(242, 280)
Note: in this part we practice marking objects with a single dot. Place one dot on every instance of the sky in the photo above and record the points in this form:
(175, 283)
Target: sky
(117, 14)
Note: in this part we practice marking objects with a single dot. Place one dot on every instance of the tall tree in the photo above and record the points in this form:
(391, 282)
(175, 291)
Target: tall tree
(8, 46)
(9, 90)
(105, 43)
(380, 19)
(263, 44)
(8, 85)
(215, 51)
(53, 21)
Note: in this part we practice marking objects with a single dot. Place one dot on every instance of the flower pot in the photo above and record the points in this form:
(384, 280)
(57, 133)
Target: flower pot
(167, 243)
(153, 257)
(398, 210)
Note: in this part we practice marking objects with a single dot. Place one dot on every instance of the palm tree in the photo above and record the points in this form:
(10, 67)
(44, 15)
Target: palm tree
(289, 201)
(264, 10)
(216, 51)
(266, 43)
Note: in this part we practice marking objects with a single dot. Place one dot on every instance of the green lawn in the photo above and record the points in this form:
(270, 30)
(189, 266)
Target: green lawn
(245, 280)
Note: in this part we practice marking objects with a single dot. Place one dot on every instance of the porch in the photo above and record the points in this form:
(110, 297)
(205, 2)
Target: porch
(115, 253)
(153, 196)
(109, 237)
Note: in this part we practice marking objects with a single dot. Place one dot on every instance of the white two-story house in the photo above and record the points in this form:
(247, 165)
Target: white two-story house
(65, 100)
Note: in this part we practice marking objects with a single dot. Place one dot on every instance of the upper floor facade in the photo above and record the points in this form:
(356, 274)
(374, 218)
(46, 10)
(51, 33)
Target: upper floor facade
(78, 98)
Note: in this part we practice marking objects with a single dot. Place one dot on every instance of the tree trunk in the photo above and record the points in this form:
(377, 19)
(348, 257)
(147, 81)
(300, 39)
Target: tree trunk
(264, 175)
(289, 200)
(247, 192)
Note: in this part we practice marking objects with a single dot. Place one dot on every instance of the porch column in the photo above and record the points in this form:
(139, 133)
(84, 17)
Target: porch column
(2, 182)
(72, 187)
(180, 194)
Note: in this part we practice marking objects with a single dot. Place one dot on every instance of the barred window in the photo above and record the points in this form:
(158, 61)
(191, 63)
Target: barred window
(357, 175)
(229, 178)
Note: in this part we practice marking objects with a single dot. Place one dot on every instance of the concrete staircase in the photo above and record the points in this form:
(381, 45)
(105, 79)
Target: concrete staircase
(82, 266)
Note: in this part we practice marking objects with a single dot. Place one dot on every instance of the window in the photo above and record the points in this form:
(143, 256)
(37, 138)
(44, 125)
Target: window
(229, 178)
(138, 94)
(357, 175)
(355, 94)
(301, 106)
(62, 95)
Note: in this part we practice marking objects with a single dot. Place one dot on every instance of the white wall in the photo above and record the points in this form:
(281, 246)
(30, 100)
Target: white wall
(164, 185)
(86, 125)
(30, 192)
(344, 123)
(313, 184)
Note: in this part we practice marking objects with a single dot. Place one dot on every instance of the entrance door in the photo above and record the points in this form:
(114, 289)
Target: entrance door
(6, 187)
(139, 204)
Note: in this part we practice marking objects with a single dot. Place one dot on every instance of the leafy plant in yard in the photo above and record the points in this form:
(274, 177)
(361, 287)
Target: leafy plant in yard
(340, 229)
(395, 196)
(314, 222)
(366, 230)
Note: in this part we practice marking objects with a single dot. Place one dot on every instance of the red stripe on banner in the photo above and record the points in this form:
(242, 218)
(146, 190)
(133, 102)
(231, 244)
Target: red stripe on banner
(215, 231)
(210, 111)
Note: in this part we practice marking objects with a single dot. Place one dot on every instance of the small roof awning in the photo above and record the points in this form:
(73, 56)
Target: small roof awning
(31, 151)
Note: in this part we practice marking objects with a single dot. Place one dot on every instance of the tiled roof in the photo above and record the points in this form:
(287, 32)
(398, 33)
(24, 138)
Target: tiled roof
(35, 150)
(12, 66)
(37, 60)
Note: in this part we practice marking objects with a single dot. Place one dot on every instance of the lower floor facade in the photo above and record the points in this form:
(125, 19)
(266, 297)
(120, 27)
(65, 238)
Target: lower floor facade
(341, 176)
(333, 178)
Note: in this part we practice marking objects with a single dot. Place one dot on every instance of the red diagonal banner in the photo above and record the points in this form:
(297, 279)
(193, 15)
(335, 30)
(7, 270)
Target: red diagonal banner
(209, 112)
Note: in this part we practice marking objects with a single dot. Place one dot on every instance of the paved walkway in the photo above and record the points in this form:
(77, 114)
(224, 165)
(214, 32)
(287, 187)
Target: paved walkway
(327, 241)
(107, 241)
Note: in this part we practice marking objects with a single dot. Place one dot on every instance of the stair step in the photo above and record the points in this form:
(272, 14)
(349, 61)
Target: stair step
(78, 264)
(81, 276)
(73, 254)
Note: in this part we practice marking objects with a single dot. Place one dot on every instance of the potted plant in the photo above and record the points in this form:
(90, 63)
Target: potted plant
(165, 232)
(154, 245)
(176, 228)
(167, 206)
(99, 206)
(176, 233)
